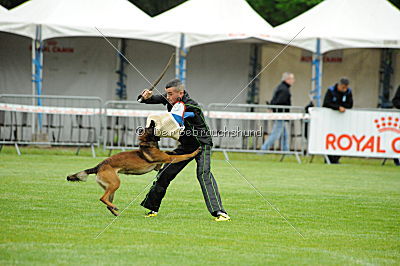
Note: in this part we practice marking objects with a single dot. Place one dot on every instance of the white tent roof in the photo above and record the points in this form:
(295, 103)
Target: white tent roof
(13, 23)
(345, 24)
(65, 18)
(3, 9)
(205, 21)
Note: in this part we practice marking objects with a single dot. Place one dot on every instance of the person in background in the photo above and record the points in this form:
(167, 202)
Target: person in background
(396, 104)
(282, 96)
(339, 97)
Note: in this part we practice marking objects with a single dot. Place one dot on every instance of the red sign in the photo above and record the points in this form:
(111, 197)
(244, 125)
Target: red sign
(53, 47)
(366, 133)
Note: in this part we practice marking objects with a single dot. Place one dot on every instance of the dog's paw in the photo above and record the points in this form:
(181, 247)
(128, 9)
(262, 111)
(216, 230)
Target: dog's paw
(113, 210)
(72, 178)
(158, 167)
(196, 151)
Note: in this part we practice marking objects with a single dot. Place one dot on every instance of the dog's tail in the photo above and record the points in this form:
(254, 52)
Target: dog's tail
(82, 176)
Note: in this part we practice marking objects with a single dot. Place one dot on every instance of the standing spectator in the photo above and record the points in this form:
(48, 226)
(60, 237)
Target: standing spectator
(338, 97)
(396, 104)
(281, 96)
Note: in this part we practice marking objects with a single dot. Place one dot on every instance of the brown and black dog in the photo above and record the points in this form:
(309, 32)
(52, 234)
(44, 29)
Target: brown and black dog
(136, 162)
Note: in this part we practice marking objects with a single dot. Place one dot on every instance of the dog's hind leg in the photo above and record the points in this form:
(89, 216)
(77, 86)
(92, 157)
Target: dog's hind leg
(111, 197)
(109, 180)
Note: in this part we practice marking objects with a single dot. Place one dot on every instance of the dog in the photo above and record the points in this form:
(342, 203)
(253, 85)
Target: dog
(137, 162)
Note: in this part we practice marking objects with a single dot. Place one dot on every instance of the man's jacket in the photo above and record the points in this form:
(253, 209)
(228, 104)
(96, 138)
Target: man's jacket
(334, 98)
(281, 96)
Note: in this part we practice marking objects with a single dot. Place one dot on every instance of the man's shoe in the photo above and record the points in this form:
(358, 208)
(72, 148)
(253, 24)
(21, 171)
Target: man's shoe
(151, 214)
(222, 217)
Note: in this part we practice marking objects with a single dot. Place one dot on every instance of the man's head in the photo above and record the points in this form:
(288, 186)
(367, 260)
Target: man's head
(343, 84)
(288, 78)
(174, 90)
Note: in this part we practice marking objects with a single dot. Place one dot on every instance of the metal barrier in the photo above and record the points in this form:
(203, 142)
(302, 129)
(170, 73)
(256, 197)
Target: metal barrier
(255, 122)
(50, 120)
(85, 121)
(122, 118)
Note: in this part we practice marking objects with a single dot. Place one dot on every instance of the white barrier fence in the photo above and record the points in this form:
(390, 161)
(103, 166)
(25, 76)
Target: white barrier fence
(122, 118)
(256, 123)
(361, 133)
(50, 120)
(49, 110)
(85, 121)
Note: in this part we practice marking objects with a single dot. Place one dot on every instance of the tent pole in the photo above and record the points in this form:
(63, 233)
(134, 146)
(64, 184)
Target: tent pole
(321, 66)
(254, 88)
(385, 78)
(177, 57)
(121, 83)
(37, 75)
(182, 60)
(33, 50)
(317, 73)
(40, 72)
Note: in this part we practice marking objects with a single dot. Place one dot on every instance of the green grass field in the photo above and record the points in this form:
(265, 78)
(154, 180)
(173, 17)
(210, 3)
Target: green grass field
(348, 214)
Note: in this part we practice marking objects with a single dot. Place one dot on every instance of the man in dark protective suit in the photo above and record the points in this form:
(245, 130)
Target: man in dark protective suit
(338, 97)
(196, 134)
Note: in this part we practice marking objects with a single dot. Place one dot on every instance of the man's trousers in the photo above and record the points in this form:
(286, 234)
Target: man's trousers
(204, 176)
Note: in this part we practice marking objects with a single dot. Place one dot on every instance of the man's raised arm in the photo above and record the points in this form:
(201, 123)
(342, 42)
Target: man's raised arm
(149, 98)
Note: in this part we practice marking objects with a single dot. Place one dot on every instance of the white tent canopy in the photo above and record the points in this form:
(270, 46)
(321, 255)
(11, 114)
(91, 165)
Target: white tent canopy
(206, 21)
(13, 23)
(341, 24)
(71, 18)
(88, 67)
(3, 10)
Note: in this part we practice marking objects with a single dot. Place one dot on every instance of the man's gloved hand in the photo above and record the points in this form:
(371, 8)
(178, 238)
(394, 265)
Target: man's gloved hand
(146, 94)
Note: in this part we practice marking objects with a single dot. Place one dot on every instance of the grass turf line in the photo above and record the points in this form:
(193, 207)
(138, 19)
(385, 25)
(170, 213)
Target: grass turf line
(348, 213)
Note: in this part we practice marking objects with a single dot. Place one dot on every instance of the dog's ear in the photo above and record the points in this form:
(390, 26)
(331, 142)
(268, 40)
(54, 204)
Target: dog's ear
(152, 124)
